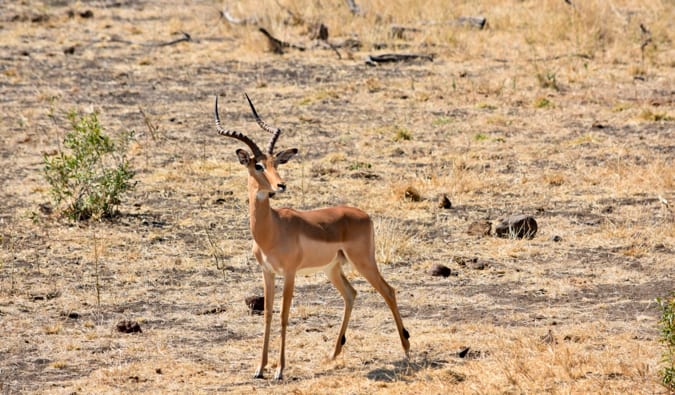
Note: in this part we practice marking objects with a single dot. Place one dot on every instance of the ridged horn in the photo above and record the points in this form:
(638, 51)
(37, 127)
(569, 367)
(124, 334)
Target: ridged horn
(257, 153)
(276, 132)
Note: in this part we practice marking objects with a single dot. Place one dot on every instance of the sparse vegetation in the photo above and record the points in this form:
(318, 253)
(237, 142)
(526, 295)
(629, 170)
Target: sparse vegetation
(480, 136)
(548, 80)
(402, 134)
(542, 102)
(652, 116)
(90, 176)
(667, 329)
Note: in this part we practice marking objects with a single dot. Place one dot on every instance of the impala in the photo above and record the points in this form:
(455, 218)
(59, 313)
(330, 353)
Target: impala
(287, 242)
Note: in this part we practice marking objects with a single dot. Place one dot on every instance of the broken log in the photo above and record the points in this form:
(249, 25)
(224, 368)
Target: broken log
(185, 37)
(473, 21)
(374, 60)
(479, 22)
(277, 46)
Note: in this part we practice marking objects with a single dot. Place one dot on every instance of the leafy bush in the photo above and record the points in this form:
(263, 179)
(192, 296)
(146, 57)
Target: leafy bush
(89, 179)
(667, 328)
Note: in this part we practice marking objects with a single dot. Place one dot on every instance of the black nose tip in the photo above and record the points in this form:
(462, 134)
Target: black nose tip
(281, 187)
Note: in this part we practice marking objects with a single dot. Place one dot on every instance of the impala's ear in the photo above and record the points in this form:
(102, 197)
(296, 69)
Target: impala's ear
(243, 156)
(284, 156)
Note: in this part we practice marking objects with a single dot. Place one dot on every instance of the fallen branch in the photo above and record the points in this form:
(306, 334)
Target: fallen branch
(646, 40)
(479, 22)
(185, 37)
(556, 57)
(319, 32)
(277, 45)
(374, 60)
(474, 21)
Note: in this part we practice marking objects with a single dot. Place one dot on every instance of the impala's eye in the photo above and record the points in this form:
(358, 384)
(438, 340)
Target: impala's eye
(259, 167)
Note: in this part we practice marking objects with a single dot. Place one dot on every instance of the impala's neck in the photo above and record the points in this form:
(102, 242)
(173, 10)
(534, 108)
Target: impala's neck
(261, 216)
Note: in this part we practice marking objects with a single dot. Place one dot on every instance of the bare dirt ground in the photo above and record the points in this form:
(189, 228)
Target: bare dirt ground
(564, 112)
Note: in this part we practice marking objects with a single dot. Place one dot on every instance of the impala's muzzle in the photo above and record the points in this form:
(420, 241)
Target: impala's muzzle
(280, 188)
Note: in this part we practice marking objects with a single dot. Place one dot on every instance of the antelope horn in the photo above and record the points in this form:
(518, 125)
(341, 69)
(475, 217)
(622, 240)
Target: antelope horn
(257, 153)
(276, 132)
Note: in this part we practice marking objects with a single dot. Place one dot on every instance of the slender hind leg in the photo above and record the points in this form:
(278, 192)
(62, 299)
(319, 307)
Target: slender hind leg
(337, 277)
(367, 266)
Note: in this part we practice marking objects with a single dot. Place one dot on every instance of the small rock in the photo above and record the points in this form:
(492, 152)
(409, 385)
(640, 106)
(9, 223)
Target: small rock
(468, 353)
(256, 304)
(441, 271)
(126, 326)
(474, 263)
(556, 239)
(412, 194)
(479, 228)
(444, 202)
(517, 227)
(87, 14)
(212, 310)
(477, 264)
(46, 208)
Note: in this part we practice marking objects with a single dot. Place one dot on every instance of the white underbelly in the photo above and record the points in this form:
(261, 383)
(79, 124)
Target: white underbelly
(316, 257)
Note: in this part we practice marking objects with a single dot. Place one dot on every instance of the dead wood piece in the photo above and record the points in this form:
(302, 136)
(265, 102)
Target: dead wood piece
(277, 46)
(473, 21)
(479, 22)
(518, 226)
(374, 60)
(319, 32)
(185, 37)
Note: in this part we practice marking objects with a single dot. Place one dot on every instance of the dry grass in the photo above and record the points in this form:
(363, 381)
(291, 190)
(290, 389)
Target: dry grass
(552, 110)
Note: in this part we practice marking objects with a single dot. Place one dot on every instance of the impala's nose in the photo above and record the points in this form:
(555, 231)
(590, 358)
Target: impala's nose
(281, 187)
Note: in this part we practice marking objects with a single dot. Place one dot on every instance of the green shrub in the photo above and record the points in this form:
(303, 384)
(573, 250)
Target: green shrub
(667, 329)
(88, 180)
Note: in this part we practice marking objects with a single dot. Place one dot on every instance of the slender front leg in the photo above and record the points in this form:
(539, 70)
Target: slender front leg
(268, 278)
(289, 284)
